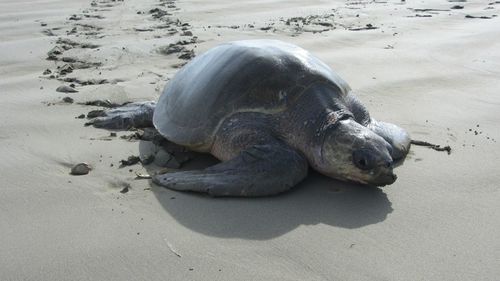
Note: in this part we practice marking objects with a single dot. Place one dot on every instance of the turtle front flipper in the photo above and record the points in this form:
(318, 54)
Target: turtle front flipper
(259, 170)
(132, 115)
(395, 136)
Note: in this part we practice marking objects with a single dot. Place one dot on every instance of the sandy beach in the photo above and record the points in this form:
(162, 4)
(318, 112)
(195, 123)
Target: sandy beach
(431, 67)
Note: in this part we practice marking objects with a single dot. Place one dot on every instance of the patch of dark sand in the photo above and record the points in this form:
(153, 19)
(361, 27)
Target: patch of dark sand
(86, 26)
(75, 17)
(420, 16)
(368, 26)
(48, 32)
(140, 29)
(74, 44)
(131, 160)
(158, 13)
(69, 67)
(428, 10)
(95, 16)
(179, 48)
(103, 103)
(479, 17)
(92, 81)
(55, 51)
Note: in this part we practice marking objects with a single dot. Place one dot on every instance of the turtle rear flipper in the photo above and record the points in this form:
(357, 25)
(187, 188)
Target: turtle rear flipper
(132, 115)
(259, 170)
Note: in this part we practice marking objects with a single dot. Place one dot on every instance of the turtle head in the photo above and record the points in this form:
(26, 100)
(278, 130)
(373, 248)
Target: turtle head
(350, 151)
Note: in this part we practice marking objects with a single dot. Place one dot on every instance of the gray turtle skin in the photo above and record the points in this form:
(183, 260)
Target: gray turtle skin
(268, 110)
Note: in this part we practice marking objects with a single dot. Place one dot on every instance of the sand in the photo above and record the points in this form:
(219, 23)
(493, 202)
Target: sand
(434, 72)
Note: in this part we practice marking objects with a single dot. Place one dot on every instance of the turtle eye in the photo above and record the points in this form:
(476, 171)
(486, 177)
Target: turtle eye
(363, 159)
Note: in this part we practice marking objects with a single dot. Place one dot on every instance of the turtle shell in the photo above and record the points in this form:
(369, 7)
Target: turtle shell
(251, 75)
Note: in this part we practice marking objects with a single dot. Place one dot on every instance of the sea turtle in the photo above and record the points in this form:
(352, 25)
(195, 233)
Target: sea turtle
(268, 110)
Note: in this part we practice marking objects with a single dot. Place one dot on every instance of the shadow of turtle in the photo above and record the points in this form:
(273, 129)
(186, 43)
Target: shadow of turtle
(316, 200)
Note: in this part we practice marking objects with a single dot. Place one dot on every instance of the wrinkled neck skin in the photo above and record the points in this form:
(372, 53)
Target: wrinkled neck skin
(305, 123)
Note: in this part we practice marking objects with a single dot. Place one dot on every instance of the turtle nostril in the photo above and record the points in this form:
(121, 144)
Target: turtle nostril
(388, 164)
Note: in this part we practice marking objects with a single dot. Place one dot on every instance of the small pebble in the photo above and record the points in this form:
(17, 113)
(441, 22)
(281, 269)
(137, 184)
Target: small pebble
(125, 189)
(131, 160)
(66, 89)
(81, 169)
(68, 100)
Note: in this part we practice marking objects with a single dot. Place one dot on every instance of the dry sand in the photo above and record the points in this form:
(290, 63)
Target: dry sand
(434, 72)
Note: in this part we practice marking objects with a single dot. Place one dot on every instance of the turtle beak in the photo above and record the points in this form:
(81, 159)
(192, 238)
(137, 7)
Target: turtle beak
(386, 175)
(385, 179)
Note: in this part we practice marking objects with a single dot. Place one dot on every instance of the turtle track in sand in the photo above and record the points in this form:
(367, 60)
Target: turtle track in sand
(81, 61)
